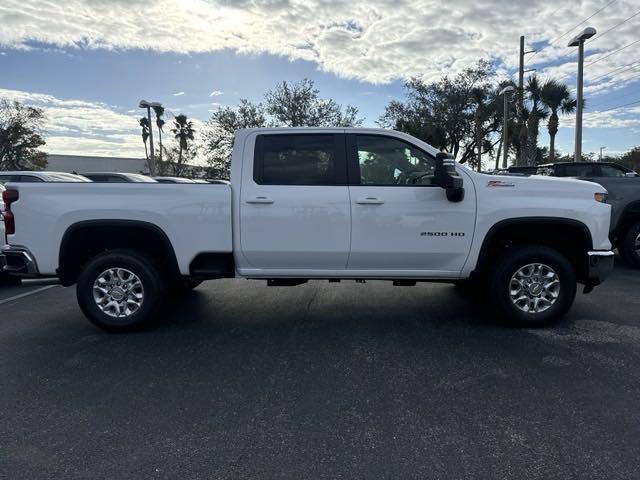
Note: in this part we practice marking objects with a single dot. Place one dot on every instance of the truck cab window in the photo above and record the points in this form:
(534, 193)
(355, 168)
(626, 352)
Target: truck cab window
(578, 170)
(296, 159)
(612, 171)
(389, 161)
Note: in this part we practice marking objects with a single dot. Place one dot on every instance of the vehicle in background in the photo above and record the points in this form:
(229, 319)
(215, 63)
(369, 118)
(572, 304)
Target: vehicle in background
(586, 170)
(117, 177)
(5, 279)
(318, 203)
(28, 176)
(523, 170)
(623, 187)
(174, 180)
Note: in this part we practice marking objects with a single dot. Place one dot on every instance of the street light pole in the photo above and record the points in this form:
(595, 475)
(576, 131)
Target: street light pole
(578, 41)
(601, 149)
(505, 127)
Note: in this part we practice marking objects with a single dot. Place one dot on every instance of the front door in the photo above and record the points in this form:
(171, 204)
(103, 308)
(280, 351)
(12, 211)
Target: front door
(402, 222)
(294, 204)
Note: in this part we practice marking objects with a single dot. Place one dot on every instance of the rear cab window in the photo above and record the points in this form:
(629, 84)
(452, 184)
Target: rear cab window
(299, 159)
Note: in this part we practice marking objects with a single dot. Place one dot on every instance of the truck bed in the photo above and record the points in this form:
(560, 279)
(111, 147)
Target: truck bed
(195, 217)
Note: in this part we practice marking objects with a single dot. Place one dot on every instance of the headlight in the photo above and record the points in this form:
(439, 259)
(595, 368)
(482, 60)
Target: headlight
(600, 197)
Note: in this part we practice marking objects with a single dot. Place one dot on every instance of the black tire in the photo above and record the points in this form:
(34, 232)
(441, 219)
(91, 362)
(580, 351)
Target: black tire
(142, 267)
(506, 266)
(629, 249)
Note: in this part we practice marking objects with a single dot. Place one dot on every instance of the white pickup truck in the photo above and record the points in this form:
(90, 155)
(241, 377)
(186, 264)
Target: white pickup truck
(316, 203)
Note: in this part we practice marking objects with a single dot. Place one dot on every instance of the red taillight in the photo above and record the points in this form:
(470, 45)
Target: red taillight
(8, 197)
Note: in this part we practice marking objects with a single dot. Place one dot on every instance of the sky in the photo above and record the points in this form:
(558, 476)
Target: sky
(88, 63)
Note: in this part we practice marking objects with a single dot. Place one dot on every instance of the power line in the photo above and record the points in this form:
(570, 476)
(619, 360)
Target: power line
(615, 51)
(622, 69)
(573, 28)
(619, 106)
(616, 26)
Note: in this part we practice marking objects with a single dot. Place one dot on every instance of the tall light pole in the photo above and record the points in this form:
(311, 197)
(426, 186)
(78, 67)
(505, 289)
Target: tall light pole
(601, 149)
(505, 126)
(578, 41)
(152, 158)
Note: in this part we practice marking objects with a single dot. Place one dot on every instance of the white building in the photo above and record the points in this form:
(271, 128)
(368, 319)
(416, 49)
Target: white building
(83, 164)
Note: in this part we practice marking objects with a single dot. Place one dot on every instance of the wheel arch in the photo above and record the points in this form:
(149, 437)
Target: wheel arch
(86, 239)
(570, 237)
(629, 216)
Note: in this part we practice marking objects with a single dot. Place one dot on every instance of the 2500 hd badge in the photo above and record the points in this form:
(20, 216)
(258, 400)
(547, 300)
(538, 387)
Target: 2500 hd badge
(442, 234)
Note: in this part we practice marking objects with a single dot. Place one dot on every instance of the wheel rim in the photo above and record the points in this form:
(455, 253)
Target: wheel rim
(534, 288)
(118, 292)
(637, 245)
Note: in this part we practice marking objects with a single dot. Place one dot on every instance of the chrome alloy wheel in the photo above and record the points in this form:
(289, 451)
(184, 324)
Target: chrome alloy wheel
(637, 244)
(118, 292)
(534, 288)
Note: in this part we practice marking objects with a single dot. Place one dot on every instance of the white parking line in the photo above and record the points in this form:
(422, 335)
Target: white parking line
(22, 295)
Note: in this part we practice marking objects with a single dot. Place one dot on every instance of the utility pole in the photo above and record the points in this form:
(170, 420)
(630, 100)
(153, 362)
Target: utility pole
(521, 72)
(601, 149)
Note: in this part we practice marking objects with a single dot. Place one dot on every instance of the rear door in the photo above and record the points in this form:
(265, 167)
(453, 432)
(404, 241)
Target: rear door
(402, 221)
(294, 203)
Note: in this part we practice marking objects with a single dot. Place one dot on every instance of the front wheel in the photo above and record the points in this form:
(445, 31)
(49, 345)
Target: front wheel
(532, 286)
(630, 245)
(120, 290)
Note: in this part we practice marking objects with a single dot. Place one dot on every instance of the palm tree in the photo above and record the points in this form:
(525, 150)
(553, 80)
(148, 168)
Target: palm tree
(159, 111)
(144, 123)
(557, 98)
(183, 132)
(538, 111)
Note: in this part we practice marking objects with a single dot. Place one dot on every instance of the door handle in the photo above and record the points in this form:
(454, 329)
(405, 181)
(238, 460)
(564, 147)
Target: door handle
(262, 200)
(370, 201)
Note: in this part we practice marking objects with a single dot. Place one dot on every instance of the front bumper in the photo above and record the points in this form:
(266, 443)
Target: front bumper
(18, 261)
(598, 269)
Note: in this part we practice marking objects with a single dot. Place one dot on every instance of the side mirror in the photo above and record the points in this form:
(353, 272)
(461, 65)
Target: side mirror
(447, 177)
(631, 174)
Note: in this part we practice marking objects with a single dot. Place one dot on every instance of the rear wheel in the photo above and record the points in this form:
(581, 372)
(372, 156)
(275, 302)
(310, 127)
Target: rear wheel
(630, 246)
(120, 290)
(532, 286)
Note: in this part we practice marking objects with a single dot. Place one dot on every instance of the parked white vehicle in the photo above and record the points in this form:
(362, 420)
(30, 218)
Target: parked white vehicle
(29, 176)
(317, 204)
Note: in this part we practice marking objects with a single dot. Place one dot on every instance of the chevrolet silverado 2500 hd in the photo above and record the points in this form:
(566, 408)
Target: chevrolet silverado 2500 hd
(316, 203)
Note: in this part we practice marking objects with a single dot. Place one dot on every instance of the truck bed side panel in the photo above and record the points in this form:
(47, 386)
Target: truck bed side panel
(196, 218)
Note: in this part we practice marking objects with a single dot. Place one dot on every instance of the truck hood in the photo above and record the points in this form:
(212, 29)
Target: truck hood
(541, 183)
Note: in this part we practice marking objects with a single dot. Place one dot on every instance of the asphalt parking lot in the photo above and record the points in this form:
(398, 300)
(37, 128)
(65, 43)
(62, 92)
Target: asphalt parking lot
(242, 380)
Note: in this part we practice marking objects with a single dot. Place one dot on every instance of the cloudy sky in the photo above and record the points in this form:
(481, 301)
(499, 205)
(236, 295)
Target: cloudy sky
(89, 62)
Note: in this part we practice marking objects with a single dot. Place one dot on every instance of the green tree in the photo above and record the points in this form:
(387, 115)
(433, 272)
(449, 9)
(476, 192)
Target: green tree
(537, 112)
(299, 105)
(447, 113)
(159, 111)
(557, 97)
(144, 125)
(183, 132)
(287, 105)
(21, 137)
(219, 133)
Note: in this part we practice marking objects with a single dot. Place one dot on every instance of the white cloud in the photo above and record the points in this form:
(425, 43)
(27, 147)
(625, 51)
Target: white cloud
(83, 128)
(216, 93)
(371, 40)
(178, 94)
